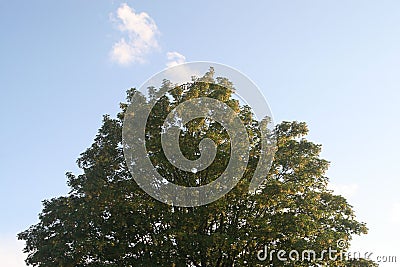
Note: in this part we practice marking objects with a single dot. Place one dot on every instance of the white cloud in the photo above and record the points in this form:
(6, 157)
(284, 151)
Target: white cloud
(175, 58)
(346, 190)
(178, 71)
(11, 254)
(141, 36)
(395, 213)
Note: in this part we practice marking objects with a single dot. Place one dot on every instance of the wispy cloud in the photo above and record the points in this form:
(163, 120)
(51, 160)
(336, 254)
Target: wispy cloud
(140, 38)
(175, 58)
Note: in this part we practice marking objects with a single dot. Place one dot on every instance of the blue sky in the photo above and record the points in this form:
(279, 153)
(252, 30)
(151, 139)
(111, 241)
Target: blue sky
(333, 64)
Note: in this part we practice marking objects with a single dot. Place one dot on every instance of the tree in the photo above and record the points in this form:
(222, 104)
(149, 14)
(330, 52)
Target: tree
(107, 220)
(361, 263)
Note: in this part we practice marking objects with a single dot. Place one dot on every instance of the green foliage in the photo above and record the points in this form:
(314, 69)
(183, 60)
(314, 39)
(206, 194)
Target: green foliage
(361, 263)
(107, 220)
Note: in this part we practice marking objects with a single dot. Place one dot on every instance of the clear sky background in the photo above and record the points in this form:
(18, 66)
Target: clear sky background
(332, 64)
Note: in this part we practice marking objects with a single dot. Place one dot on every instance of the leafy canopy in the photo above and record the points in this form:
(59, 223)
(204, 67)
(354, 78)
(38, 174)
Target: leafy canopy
(107, 220)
